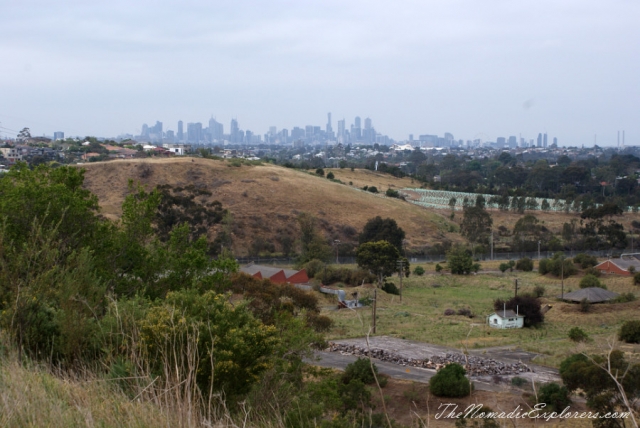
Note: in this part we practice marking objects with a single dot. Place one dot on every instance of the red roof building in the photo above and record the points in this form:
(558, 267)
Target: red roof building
(277, 275)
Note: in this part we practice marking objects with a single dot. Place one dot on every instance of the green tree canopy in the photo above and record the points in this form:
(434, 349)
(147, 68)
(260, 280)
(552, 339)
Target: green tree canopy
(476, 225)
(380, 258)
(378, 229)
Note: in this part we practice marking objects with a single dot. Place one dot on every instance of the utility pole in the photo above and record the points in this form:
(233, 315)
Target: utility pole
(516, 281)
(492, 245)
(538, 250)
(375, 300)
(336, 243)
(562, 278)
(400, 264)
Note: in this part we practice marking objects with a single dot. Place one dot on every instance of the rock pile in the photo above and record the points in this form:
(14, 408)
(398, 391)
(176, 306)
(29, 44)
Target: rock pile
(475, 366)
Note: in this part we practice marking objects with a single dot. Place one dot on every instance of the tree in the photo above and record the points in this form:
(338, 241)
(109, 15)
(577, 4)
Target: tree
(525, 305)
(311, 243)
(527, 232)
(556, 397)
(459, 261)
(476, 225)
(591, 281)
(609, 382)
(379, 258)
(630, 332)
(378, 229)
(450, 381)
(330, 176)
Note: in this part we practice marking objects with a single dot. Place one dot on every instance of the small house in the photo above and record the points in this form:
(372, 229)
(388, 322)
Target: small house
(620, 266)
(505, 319)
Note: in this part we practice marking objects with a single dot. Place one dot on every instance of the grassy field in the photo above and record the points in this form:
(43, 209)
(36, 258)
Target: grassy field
(265, 200)
(420, 315)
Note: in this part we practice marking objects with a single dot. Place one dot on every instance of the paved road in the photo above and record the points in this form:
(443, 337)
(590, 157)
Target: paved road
(338, 361)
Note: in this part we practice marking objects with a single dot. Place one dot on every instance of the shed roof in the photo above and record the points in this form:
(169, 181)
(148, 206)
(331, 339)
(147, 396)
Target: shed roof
(508, 314)
(266, 271)
(592, 294)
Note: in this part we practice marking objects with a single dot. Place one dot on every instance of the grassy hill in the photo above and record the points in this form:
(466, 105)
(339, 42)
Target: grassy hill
(264, 200)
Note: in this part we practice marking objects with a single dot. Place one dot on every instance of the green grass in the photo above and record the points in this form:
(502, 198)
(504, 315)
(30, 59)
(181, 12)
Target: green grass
(425, 306)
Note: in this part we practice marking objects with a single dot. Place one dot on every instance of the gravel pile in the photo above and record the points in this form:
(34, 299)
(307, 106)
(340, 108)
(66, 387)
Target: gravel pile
(475, 366)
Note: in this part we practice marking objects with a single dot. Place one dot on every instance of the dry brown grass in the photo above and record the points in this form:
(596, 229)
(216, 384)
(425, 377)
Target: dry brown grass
(265, 199)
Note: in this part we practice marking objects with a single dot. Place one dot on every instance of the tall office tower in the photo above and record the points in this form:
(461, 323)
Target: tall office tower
(58, 135)
(341, 129)
(329, 128)
(194, 132)
(170, 136)
(248, 136)
(500, 142)
(539, 140)
(180, 131)
(513, 142)
(234, 131)
(155, 132)
(272, 134)
(356, 131)
(216, 129)
(145, 130)
(410, 137)
(544, 140)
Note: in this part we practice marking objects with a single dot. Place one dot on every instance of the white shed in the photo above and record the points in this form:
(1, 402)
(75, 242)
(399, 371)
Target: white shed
(505, 319)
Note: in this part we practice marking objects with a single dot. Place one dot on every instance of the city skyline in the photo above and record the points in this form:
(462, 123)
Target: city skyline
(495, 69)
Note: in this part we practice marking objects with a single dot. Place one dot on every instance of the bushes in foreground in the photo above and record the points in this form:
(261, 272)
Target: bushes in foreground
(450, 381)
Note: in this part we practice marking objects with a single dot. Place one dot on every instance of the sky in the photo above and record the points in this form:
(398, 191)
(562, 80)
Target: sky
(476, 69)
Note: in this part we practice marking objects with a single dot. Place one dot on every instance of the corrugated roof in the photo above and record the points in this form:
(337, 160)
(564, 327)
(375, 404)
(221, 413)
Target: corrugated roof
(592, 294)
(266, 271)
(624, 262)
(507, 314)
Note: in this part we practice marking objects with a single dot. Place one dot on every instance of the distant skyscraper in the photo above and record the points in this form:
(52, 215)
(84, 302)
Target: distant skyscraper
(357, 129)
(555, 141)
(341, 129)
(501, 142)
(539, 140)
(329, 128)
(180, 131)
(234, 131)
(513, 142)
(544, 140)
(194, 132)
(59, 135)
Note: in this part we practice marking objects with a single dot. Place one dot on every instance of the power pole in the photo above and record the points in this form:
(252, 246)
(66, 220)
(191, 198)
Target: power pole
(516, 281)
(400, 264)
(375, 300)
(492, 245)
(538, 250)
(562, 278)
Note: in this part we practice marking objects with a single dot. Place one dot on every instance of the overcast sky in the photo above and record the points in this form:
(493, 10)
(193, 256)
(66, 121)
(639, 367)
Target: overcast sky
(477, 69)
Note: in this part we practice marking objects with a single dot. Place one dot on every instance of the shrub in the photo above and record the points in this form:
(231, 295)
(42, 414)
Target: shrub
(372, 189)
(519, 381)
(624, 298)
(450, 382)
(577, 334)
(556, 397)
(313, 267)
(361, 369)
(593, 271)
(392, 193)
(630, 332)
(585, 305)
(591, 281)
(465, 312)
(330, 176)
(449, 312)
(320, 172)
(390, 288)
(538, 291)
(459, 261)
(504, 267)
(543, 266)
(525, 264)
(438, 268)
(419, 270)
(555, 266)
(636, 278)
(585, 261)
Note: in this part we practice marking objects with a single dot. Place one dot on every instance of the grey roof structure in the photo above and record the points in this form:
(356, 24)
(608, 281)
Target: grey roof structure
(624, 262)
(507, 314)
(592, 294)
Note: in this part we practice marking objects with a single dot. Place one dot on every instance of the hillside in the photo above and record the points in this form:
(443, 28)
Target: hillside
(264, 200)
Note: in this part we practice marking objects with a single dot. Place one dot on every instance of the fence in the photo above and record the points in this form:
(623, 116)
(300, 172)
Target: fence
(513, 255)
